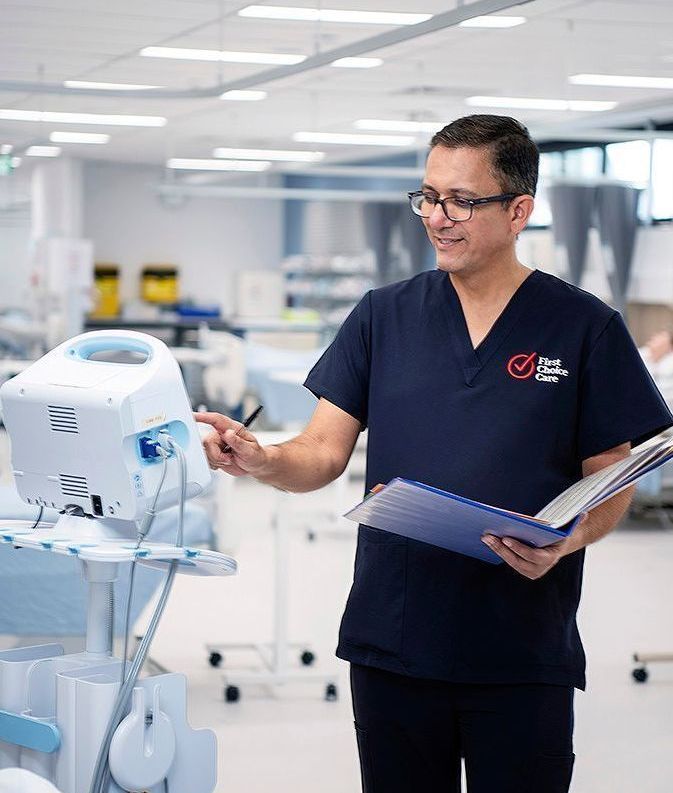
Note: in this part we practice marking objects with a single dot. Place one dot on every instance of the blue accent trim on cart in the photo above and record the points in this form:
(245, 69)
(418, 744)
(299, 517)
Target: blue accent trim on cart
(28, 732)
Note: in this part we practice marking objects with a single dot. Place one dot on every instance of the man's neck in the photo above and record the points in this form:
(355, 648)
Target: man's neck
(492, 286)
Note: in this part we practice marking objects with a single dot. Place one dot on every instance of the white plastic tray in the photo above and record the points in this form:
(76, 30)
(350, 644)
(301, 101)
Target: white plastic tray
(192, 561)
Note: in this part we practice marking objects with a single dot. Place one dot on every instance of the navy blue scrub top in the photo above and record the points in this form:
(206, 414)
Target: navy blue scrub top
(558, 379)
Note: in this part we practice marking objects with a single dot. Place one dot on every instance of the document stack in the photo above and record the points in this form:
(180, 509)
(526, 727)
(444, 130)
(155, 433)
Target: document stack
(449, 521)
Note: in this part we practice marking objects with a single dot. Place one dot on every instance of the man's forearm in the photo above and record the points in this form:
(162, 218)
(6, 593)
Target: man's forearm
(299, 465)
(600, 521)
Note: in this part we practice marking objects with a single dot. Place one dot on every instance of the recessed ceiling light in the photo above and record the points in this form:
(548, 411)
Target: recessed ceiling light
(43, 151)
(226, 56)
(276, 155)
(243, 96)
(49, 116)
(523, 103)
(332, 15)
(383, 125)
(621, 80)
(79, 137)
(357, 63)
(108, 86)
(492, 22)
(357, 140)
(216, 165)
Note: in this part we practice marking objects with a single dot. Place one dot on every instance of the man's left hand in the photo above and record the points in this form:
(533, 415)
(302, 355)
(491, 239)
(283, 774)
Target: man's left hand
(530, 562)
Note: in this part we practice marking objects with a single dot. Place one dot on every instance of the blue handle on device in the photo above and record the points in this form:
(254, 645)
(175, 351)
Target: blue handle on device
(84, 348)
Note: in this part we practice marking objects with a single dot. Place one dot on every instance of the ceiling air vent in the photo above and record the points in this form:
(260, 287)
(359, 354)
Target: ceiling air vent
(74, 486)
(62, 419)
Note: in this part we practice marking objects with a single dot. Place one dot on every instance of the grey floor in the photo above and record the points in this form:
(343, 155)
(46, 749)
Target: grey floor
(292, 741)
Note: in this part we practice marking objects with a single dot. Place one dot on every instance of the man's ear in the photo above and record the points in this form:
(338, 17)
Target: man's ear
(522, 210)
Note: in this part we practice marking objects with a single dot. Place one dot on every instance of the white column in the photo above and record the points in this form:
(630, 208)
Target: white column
(62, 269)
(56, 197)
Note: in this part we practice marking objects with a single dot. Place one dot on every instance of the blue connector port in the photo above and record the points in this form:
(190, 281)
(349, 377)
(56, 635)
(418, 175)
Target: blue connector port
(148, 448)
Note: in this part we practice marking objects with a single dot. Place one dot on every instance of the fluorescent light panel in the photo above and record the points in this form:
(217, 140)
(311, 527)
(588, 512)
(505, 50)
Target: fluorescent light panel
(43, 151)
(48, 116)
(349, 139)
(276, 155)
(6, 148)
(332, 15)
(384, 125)
(226, 56)
(524, 103)
(492, 22)
(79, 137)
(107, 86)
(357, 63)
(243, 96)
(216, 165)
(621, 80)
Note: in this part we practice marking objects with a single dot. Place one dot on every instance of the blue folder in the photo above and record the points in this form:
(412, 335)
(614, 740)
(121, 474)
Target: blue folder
(448, 521)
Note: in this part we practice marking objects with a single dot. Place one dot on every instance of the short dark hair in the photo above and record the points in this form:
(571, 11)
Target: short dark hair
(514, 155)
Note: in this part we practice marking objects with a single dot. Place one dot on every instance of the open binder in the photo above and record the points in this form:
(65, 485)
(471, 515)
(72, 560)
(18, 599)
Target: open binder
(455, 523)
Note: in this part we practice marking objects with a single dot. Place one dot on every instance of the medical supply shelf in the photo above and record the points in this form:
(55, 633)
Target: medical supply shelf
(326, 290)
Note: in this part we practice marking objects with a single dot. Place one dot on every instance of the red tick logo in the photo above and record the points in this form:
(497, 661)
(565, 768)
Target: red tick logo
(522, 366)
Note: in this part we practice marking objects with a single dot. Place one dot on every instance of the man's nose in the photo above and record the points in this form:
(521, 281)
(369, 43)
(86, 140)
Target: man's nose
(438, 219)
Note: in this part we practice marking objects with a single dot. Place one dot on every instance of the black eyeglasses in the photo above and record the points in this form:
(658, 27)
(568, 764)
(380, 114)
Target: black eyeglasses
(455, 208)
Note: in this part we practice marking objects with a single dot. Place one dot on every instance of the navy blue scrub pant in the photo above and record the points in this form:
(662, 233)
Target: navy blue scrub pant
(412, 733)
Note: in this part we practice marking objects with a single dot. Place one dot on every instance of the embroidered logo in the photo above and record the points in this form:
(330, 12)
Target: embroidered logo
(546, 370)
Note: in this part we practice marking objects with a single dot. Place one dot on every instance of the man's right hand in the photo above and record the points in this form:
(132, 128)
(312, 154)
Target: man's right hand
(246, 457)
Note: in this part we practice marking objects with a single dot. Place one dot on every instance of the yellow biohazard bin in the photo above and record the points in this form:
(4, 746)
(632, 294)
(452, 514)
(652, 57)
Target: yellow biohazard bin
(106, 280)
(159, 283)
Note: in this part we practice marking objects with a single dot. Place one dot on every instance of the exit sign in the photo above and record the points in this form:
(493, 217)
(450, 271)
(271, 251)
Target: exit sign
(5, 164)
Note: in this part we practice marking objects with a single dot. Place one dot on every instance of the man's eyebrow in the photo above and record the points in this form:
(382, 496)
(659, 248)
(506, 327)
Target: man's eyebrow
(463, 191)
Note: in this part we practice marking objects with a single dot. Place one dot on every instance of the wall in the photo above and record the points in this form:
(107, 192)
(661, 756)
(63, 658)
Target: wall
(208, 238)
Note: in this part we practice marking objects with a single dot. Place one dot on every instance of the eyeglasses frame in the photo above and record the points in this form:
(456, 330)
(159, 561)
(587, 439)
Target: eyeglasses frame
(473, 202)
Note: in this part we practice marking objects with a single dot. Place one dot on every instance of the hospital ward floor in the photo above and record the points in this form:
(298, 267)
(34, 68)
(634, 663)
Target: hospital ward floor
(293, 741)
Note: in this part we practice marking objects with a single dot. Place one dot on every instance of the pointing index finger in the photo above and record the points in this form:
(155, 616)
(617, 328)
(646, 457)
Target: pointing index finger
(216, 420)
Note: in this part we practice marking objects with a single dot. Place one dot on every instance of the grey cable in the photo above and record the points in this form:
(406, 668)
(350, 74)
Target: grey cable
(127, 621)
(143, 531)
(101, 775)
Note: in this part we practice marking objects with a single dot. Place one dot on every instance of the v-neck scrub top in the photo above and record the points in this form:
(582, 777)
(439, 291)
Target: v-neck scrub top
(558, 379)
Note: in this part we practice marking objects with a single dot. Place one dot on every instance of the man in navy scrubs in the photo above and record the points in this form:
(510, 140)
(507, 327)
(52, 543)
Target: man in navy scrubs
(499, 383)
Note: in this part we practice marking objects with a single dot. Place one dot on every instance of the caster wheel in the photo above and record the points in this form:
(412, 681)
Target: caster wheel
(215, 659)
(307, 658)
(310, 536)
(232, 694)
(640, 674)
(331, 694)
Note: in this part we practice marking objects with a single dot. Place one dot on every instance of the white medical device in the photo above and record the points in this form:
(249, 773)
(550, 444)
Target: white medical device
(85, 420)
(101, 429)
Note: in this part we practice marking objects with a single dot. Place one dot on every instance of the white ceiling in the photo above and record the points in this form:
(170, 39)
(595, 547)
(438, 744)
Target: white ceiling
(428, 77)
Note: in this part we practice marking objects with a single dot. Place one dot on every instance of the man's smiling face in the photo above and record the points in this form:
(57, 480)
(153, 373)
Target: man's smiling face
(472, 245)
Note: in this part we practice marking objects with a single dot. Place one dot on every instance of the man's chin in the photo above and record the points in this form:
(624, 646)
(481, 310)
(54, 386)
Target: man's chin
(449, 265)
